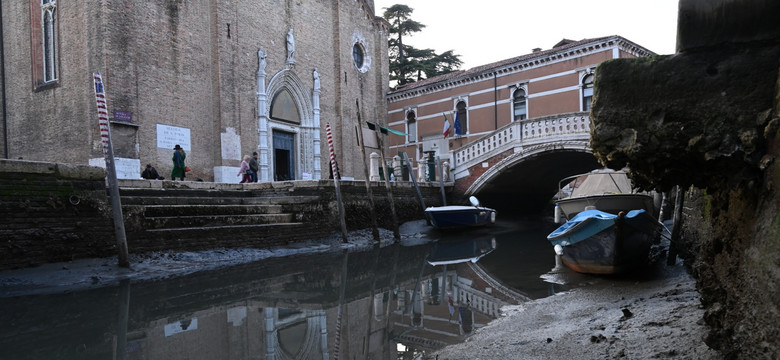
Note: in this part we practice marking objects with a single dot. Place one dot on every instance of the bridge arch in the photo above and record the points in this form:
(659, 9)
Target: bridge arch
(518, 167)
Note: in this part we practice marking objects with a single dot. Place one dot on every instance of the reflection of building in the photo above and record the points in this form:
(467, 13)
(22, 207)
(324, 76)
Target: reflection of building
(284, 308)
(453, 304)
(220, 78)
(483, 99)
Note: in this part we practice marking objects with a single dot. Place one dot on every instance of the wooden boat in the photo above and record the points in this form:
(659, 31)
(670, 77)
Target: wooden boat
(606, 190)
(598, 242)
(459, 216)
(609, 228)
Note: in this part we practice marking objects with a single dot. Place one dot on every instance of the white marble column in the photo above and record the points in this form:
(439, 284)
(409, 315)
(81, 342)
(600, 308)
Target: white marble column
(317, 173)
(262, 118)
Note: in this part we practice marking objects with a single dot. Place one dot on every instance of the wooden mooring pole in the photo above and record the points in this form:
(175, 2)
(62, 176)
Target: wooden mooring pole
(671, 258)
(416, 187)
(336, 181)
(396, 231)
(113, 186)
(374, 225)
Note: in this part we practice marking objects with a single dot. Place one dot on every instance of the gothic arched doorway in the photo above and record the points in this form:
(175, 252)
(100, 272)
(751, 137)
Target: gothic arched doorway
(284, 155)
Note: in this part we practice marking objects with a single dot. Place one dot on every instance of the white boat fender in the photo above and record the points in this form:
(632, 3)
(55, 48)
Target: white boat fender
(557, 215)
(473, 200)
(558, 250)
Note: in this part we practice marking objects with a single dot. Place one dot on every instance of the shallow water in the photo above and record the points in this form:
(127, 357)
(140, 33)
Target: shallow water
(385, 303)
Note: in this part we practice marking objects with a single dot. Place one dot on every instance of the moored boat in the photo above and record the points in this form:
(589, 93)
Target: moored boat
(597, 242)
(460, 216)
(606, 190)
(608, 227)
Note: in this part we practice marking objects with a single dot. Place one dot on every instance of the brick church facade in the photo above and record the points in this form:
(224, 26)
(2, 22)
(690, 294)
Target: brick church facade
(219, 78)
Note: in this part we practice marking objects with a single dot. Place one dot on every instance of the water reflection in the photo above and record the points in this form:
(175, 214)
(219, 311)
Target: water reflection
(387, 303)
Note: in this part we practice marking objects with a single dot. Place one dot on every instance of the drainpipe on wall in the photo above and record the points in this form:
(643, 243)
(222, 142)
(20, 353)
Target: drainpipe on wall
(2, 80)
(495, 100)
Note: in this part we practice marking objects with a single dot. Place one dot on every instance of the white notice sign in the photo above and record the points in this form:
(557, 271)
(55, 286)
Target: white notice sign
(170, 136)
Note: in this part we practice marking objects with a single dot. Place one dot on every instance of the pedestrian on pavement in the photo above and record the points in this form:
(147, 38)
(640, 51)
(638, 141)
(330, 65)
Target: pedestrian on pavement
(243, 170)
(178, 163)
(254, 167)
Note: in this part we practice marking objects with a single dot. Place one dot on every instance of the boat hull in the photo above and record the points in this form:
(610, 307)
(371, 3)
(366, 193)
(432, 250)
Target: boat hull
(611, 203)
(455, 217)
(606, 244)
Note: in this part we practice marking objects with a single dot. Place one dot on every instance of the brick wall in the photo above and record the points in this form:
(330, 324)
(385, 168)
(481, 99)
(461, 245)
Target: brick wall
(52, 212)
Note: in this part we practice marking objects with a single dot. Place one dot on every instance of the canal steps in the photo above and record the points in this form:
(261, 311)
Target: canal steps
(210, 214)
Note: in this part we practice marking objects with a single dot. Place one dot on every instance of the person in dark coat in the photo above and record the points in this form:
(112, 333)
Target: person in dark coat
(254, 167)
(178, 162)
(150, 173)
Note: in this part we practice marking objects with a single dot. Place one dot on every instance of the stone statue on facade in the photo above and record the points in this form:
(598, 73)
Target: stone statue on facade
(316, 79)
(261, 55)
(290, 47)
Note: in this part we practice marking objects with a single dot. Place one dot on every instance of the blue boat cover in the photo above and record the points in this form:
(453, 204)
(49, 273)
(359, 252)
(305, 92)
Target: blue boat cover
(585, 225)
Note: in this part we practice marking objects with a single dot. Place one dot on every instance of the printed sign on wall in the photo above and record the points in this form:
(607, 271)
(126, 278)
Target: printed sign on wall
(170, 136)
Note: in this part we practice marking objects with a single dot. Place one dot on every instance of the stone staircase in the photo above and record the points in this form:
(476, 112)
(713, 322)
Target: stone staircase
(203, 217)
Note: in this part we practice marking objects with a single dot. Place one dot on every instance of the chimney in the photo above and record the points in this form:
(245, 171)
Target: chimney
(536, 50)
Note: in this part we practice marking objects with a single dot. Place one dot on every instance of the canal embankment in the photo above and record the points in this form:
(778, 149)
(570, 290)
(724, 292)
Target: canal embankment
(53, 212)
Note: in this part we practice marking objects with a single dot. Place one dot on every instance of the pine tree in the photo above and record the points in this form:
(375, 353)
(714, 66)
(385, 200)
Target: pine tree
(407, 63)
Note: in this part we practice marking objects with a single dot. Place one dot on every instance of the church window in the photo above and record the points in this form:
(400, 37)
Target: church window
(357, 55)
(44, 42)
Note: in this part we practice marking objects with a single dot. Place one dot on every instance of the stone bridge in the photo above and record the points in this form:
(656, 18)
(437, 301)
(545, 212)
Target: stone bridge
(517, 167)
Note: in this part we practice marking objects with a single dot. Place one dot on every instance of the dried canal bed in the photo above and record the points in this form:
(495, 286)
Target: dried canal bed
(275, 304)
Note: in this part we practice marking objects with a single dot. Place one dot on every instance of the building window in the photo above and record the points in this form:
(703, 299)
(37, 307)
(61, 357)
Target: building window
(44, 42)
(411, 127)
(587, 92)
(519, 105)
(357, 55)
(360, 53)
(49, 30)
(461, 123)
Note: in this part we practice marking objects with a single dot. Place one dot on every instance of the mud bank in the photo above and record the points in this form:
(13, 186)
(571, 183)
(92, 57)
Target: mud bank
(657, 316)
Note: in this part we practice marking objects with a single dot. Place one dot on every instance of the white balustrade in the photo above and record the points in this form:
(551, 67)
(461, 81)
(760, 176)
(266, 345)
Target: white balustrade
(548, 129)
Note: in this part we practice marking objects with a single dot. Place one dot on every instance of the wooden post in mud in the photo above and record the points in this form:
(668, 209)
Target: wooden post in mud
(414, 181)
(113, 186)
(336, 181)
(374, 226)
(340, 314)
(396, 231)
(441, 181)
(676, 227)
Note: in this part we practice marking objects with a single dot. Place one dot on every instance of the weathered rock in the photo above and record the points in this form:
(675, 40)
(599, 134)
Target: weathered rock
(708, 119)
(688, 119)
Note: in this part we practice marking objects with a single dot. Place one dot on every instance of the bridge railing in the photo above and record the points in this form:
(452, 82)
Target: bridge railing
(546, 129)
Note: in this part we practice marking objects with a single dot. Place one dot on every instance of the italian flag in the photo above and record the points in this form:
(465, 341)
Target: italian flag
(446, 131)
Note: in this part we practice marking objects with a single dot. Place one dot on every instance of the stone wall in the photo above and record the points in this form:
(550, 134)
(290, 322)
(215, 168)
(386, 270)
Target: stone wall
(708, 119)
(52, 212)
(55, 212)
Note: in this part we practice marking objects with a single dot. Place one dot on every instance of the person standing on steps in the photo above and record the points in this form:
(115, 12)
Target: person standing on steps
(254, 167)
(242, 171)
(178, 163)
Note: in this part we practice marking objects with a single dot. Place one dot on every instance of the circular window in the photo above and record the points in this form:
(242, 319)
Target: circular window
(357, 55)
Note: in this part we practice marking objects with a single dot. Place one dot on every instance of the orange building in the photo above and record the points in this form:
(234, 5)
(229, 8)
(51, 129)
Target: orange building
(478, 101)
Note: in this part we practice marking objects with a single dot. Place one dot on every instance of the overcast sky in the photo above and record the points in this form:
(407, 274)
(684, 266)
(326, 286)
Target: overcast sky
(485, 31)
